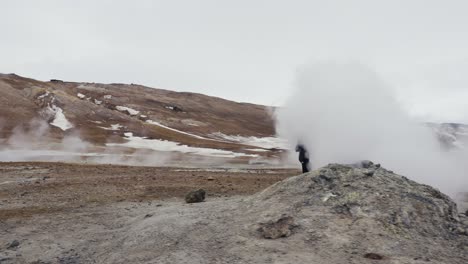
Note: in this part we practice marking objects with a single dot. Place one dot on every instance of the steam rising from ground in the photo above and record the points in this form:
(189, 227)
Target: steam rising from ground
(344, 113)
(34, 141)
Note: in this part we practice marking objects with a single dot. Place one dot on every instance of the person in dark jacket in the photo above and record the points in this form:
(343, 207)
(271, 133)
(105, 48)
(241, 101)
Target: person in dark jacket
(303, 157)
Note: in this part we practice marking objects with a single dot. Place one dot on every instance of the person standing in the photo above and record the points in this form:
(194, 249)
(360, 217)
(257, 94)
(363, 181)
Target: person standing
(303, 157)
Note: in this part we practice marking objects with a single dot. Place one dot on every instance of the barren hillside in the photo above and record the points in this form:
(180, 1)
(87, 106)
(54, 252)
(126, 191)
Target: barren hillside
(133, 116)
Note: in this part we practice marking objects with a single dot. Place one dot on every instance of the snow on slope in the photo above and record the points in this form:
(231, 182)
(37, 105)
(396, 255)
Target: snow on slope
(262, 142)
(175, 130)
(127, 109)
(114, 127)
(60, 120)
(164, 145)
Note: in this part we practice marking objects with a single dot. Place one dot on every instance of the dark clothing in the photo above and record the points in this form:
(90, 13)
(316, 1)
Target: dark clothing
(303, 157)
(305, 166)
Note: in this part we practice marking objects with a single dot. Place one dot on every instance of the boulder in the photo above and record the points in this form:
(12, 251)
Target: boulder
(197, 196)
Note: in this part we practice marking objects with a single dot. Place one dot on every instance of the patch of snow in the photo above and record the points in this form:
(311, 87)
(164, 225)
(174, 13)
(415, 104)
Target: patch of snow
(191, 122)
(96, 122)
(60, 120)
(169, 107)
(169, 146)
(143, 116)
(116, 126)
(113, 127)
(80, 95)
(96, 101)
(44, 95)
(258, 150)
(107, 96)
(128, 110)
(263, 142)
(178, 131)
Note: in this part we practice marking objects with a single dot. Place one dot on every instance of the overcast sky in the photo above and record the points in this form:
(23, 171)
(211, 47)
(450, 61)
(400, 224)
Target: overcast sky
(244, 50)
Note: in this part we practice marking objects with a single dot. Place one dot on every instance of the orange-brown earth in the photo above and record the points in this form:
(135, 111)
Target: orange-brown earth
(35, 188)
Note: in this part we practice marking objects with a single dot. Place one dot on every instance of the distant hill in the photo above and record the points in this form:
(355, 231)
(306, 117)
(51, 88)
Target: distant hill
(105, 114)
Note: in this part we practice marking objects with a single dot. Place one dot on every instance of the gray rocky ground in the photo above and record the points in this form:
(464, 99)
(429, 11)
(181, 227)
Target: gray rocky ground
(337, 214)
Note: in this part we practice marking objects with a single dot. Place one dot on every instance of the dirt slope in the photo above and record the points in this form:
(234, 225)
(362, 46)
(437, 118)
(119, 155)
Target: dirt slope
(90, 107)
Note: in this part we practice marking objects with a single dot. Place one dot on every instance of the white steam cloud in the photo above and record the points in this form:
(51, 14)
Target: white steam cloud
(344, 113)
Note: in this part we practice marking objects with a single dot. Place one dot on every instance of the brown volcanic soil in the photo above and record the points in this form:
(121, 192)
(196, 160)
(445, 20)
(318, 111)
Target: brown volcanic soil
(31, 188)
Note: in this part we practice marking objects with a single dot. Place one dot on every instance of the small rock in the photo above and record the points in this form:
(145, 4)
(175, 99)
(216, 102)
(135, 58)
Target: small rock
(466, 213)
(210, 178)
(13, 244)
(195, 196)
(148, 215)
(369, 172)
(281, 228)
(374, 256)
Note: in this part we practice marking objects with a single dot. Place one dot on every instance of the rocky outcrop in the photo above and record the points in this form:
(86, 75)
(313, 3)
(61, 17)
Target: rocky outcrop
(360, 213)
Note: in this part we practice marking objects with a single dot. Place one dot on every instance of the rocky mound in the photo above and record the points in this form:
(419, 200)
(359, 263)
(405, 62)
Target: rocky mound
(346, 213)
(338, 214)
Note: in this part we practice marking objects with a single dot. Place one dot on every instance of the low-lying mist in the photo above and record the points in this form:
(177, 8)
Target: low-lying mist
(34, 141)
(344, 113)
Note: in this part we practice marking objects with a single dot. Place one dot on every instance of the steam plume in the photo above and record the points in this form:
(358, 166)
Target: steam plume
(343, 112)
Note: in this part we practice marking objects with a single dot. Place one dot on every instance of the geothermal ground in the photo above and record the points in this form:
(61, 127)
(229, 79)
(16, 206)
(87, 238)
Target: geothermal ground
(34, 188)
(74, 213)
(50, 207)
